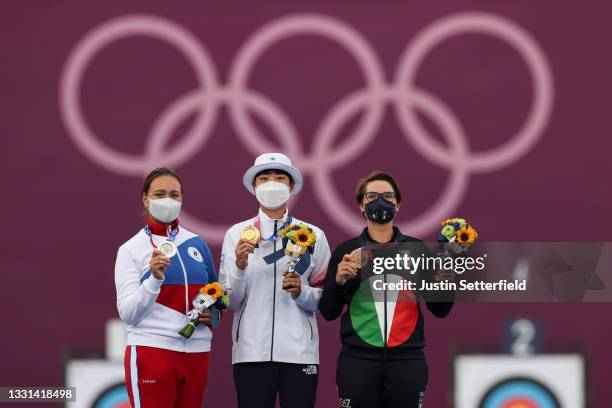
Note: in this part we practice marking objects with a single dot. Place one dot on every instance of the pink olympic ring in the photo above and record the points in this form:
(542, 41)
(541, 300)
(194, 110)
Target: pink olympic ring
(372, 99)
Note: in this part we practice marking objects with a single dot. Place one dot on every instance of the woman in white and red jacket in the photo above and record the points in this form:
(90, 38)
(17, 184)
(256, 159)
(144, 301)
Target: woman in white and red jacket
(154, 294)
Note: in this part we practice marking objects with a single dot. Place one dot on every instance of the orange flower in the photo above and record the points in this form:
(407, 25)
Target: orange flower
(466, 235)
(214, 290)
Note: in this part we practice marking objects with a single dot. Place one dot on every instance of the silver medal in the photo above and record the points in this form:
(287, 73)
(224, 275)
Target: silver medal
(168, 248)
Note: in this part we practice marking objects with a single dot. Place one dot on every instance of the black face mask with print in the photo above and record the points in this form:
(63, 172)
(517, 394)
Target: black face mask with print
(380, 211)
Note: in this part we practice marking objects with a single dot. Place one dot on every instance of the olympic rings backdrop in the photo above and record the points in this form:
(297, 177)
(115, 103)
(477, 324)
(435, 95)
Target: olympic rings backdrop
(495, 111)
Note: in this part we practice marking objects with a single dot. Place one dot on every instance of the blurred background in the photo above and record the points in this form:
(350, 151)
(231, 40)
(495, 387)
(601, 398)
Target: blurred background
(495, 111)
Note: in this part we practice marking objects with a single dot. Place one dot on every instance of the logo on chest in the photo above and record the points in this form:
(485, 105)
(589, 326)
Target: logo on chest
(195, 254)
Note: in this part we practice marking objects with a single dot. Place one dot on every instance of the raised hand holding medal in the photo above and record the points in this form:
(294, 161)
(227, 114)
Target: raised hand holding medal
(360, 257)
(249, 237)
(162, 253)
(159, 263)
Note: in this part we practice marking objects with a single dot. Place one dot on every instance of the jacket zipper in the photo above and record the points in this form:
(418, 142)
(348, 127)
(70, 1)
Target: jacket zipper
(186, 284)
(273, 299)
(240, 319)
(186, 287)
(385, 300)
(311, 333)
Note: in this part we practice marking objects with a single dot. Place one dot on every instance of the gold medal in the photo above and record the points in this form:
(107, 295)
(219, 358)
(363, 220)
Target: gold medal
(250, 234)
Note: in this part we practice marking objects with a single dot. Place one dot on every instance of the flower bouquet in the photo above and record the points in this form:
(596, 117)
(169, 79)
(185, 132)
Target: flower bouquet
(211, 295)
(456, 235)
(301, 239)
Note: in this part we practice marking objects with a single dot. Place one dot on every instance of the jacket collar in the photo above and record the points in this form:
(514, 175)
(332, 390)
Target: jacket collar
(266, 224)
(159, 228)
(397, 236)
(264, 218)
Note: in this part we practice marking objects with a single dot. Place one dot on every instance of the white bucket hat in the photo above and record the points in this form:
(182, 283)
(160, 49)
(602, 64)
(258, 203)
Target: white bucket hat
(273, 161)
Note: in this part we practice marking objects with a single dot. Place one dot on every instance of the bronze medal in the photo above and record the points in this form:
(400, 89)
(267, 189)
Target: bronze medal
(359, 257)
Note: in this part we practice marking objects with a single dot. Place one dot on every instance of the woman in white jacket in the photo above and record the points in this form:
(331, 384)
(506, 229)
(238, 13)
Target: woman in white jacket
(154, 293)
(275, 339)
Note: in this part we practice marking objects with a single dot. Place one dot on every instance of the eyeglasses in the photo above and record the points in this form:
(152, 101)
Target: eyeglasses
(373, 195)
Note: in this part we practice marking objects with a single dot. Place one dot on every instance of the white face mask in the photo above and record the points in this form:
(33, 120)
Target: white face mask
(164, 209)
(272, 194)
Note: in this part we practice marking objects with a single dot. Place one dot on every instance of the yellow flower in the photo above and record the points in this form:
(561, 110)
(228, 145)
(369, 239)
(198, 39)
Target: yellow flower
(451, 221)
(466, 235)
(214, 290)
(304, 237)
(283, 232)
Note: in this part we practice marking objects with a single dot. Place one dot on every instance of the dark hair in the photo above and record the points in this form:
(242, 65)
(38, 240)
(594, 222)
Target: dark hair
(158, 172)
(377, 175)
(274, 171)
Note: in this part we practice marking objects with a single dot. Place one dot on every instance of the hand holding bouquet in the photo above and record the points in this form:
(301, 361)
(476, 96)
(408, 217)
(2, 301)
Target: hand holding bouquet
(210, 296)
(300, 240)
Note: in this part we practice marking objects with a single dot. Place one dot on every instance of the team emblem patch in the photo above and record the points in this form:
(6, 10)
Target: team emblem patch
(195, 254)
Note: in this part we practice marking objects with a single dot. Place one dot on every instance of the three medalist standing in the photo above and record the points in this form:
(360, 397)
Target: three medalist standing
(275, 338)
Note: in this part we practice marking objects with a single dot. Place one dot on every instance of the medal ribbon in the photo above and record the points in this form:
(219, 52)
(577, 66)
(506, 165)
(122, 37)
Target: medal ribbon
(304, 261)
(274, 236)
(302, 264)
(171, 234)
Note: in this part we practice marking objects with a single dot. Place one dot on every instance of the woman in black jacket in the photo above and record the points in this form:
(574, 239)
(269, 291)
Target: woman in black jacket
(382, 363)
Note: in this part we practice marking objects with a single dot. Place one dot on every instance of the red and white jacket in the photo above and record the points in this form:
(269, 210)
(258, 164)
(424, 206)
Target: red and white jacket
(155, 310)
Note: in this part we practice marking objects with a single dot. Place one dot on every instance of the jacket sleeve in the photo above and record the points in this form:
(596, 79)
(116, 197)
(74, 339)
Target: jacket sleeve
(439, 302)
(440, 309)
(232, 279)
(311, 290)
(334, 297)
(133, 297)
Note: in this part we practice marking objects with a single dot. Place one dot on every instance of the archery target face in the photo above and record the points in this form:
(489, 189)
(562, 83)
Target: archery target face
(540, 381)
(99, 384)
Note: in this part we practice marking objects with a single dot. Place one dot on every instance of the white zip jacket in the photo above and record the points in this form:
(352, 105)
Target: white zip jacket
(269, 325)
(154, 310)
